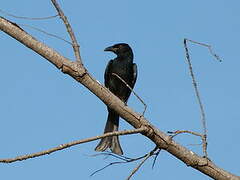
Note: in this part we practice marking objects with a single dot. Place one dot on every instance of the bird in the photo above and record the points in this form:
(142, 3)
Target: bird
(123, 67)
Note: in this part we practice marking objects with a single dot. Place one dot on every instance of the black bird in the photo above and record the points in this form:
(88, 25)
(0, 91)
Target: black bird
(124, 67)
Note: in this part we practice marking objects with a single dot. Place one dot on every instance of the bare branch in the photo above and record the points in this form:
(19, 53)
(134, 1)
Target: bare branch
(175, 133)
(209, 48)
(145, 106)
(75, 44)
(137, 168)
(198, 99)
(28, 18)
(45, 32)
(203, 138)
(67, 145)
(155, 158)
(123, 159)
(79, 73)
(120, 157)
(151, 153)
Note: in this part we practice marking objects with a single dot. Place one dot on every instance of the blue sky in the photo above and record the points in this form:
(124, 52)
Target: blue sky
(42, 108)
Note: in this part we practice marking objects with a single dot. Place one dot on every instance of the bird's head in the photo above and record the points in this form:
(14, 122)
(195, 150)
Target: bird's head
(121, 49)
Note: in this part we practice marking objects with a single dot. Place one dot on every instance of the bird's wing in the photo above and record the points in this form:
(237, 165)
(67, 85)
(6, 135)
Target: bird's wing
(135, 73)
(107, 73)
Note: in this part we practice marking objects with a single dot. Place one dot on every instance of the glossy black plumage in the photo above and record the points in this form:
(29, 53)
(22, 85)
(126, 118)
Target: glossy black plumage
(124, 67)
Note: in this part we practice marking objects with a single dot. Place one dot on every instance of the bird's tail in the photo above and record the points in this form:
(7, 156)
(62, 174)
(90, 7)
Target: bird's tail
(111, 142)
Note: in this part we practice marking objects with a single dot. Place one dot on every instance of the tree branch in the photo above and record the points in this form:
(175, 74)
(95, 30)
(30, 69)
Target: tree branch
(129, 87)
(79, 73)
(125, 160)
(75, 44)
(27, 18)
(151, 153)
(67, 145)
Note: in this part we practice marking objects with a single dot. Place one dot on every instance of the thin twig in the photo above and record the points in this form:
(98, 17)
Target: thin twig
(151, 153)
(120, 157)
(67, 145)
(123, 159)
(108, 153)
(155, 158)
(28, 18)
(196, 144)
(198, 98)
(209, 48)
(110, 164)
(137, 168)
(49, 34)
(203, 138)
(75, 44)
(175, 133)
(145, 106)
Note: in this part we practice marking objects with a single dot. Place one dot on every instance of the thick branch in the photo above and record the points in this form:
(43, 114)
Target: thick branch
(73, 69)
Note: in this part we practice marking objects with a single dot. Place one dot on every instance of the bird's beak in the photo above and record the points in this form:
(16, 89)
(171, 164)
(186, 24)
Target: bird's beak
(112, 49)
